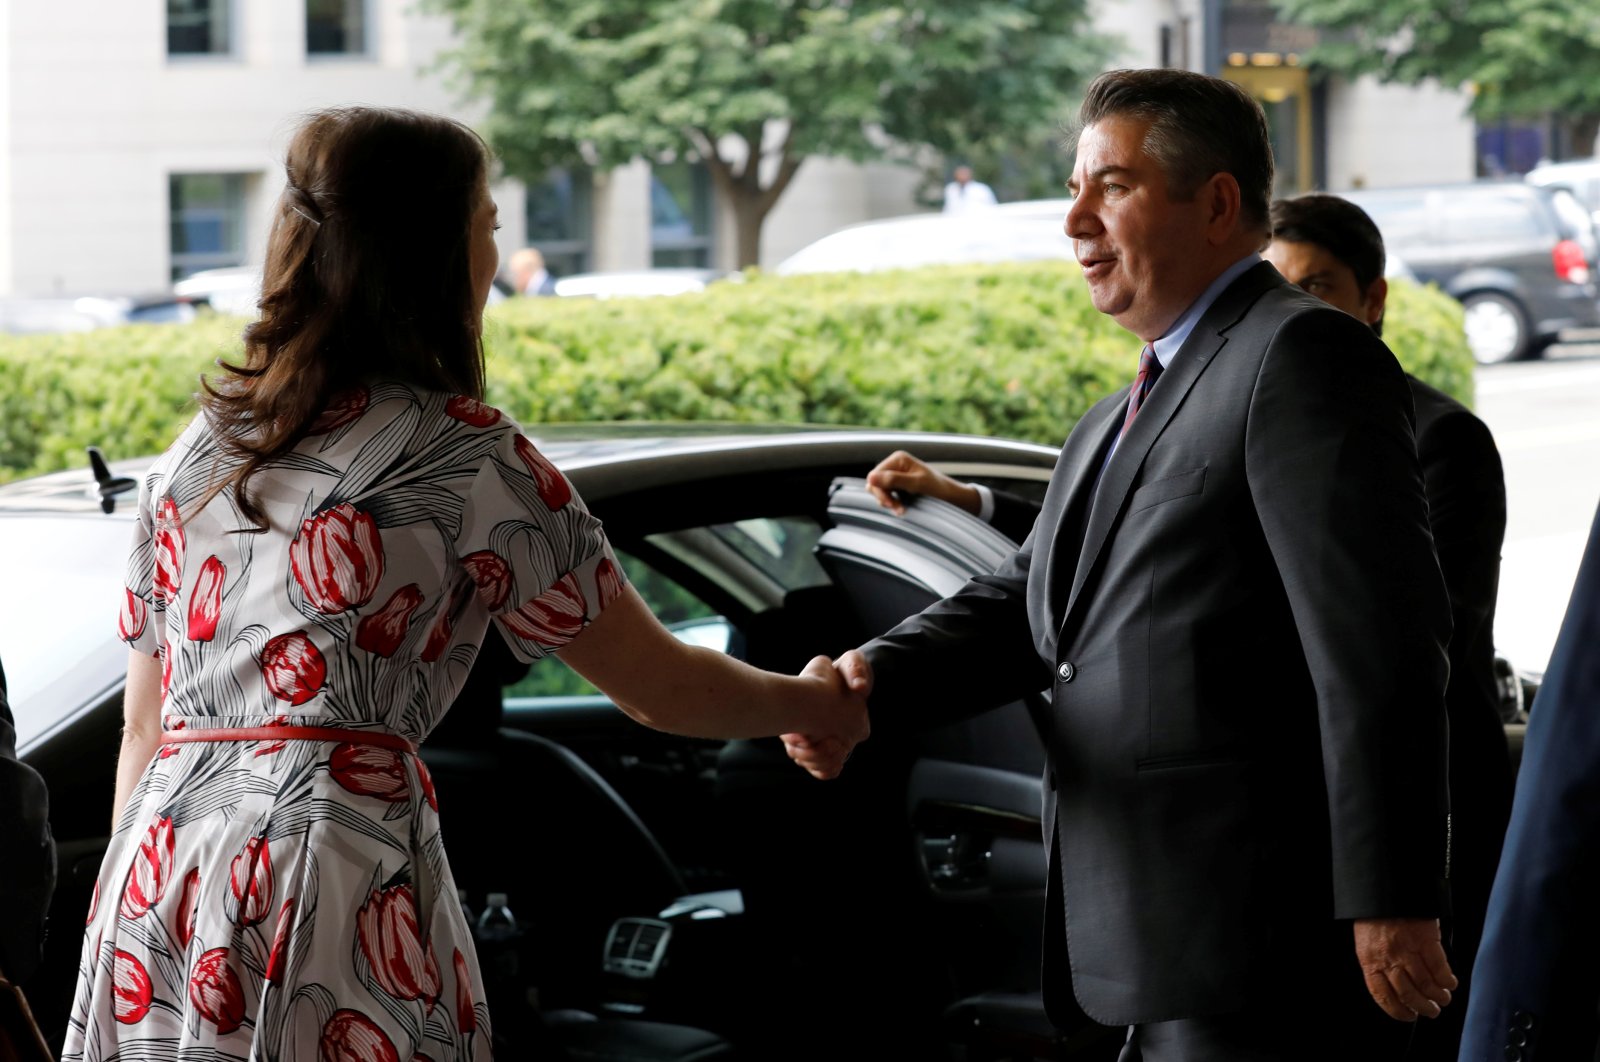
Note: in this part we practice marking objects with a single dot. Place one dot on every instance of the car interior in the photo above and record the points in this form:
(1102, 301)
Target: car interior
(688, 899)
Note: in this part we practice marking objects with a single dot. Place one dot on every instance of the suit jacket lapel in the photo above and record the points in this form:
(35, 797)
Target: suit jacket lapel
(1098, 428)
(1208, 337)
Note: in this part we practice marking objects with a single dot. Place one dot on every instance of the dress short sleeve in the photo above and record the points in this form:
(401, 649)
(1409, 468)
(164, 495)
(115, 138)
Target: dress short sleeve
(539, 560)
(156, 530)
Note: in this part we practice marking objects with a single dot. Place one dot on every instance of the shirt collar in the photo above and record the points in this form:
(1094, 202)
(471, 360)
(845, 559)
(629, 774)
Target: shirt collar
(1169, 344)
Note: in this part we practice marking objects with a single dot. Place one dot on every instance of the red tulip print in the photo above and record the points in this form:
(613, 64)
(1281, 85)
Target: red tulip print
(280, 942)
(130, 988)
(215, 992)
(351, 1036)
(250, 877)
(609, 579)
(553, 618)
(368, 770)
(382, 632)
(471, 411)
(386, 929)
(427, 783)
(442, 631)
(135, 614)
(337, 559)
(345, 408)
(293, 668)
(168, 544)
(267, 748)
(188, 907)
(205, 600)
(554, 490)
(491, 575)
(151, 870)
(466, 1017)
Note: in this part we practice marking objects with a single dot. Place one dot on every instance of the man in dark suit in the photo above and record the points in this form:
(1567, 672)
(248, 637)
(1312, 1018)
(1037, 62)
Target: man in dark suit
(1537, 983)
(29, 853)
(1330, 247)
(1232, 599)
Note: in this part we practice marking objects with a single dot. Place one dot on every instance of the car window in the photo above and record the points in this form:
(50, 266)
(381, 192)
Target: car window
(1401, 218)
(1485, 217)
(688, 617)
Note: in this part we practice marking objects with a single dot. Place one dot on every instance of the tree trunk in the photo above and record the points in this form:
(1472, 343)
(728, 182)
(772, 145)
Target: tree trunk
(748, 216)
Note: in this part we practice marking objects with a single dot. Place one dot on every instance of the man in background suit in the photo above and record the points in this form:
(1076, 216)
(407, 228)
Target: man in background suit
(1232, 598)
(29, 852)
(1537, 983)
(1330, 247)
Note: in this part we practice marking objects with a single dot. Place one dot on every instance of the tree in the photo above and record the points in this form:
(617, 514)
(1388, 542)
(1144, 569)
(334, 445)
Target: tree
(752, 88)
(1525, 58)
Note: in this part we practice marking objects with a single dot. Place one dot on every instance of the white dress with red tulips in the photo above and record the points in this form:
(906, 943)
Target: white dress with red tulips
(291, 899)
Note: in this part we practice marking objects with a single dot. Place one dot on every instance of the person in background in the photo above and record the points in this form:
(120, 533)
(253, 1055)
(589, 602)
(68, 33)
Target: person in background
(528, 274)
(963, 195)
(1331, 248)
(1536, 982)
(29, 852)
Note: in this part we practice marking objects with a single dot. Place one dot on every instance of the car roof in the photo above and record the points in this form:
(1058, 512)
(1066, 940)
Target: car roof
(606, 459)
(911, 241)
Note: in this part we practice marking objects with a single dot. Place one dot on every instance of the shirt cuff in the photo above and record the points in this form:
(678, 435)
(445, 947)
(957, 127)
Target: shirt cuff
(985, 502)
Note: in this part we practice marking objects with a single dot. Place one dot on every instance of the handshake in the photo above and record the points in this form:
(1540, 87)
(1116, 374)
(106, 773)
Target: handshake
(841, 692)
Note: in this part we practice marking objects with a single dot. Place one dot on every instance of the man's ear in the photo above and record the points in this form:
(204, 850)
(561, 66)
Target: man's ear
(1221, 196)
(1372, 301)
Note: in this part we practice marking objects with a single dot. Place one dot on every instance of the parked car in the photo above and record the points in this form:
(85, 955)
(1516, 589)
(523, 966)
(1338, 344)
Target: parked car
(1580, 176)
(1520, 258)
(1011, 232)
(236, 290)
(636, 283)
(86, 313)
(674, 896)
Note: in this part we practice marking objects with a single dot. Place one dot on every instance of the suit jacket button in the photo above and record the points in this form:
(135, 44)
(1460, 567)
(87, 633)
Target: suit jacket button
(1522, 1020)
(1513, 1054)
(1066, 671)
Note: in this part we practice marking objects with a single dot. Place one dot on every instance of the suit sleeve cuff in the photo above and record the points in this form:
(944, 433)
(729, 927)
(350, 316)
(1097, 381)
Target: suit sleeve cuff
(985, 502)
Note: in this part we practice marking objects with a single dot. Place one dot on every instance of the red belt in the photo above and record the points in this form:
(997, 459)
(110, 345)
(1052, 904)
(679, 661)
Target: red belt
(380, 738)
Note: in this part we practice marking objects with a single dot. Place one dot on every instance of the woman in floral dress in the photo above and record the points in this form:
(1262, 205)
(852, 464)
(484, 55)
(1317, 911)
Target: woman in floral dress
(316, 561)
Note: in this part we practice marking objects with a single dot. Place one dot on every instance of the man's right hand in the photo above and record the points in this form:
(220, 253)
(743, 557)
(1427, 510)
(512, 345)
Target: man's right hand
(902, 472)
(824, 755)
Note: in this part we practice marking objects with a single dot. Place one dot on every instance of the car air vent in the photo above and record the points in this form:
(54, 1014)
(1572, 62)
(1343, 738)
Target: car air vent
(636, 947)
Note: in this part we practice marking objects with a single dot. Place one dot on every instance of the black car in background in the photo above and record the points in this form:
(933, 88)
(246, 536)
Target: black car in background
(1520, 258)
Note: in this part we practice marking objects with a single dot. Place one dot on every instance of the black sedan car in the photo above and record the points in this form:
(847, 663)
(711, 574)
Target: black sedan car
(670, 898)
(640, 895)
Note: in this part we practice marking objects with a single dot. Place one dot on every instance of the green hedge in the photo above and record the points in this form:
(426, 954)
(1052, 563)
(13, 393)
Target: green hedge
(1012, 350)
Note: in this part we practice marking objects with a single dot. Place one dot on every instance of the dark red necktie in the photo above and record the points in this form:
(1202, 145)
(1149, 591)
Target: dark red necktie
(1149, 373)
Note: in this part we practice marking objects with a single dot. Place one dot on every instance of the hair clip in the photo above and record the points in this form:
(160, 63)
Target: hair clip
(303, 214)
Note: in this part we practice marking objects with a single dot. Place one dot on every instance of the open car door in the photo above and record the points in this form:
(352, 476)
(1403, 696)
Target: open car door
(972, 789)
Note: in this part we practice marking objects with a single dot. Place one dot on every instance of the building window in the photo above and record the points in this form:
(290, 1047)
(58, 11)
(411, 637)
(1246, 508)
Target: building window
(336, 27)
(560, 220)
(680, 215)
(199, 27)
(207, 221)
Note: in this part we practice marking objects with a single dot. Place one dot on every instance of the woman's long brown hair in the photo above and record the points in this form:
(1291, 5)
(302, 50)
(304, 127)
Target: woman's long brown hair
(367, 275)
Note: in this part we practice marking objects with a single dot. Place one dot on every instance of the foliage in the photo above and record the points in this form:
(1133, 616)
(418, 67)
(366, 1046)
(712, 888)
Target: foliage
(754, 87)
(1008, 350)
(1524, 58)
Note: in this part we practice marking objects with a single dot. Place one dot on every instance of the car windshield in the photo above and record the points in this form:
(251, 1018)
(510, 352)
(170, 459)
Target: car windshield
(58, 640)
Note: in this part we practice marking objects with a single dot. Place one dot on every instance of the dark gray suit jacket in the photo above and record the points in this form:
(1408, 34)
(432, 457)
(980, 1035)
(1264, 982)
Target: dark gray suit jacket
(28, 853)
(1242, 630)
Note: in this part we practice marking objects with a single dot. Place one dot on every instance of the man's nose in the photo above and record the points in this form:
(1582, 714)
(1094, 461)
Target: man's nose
(1079, 220)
